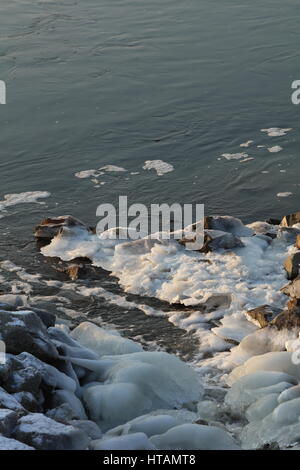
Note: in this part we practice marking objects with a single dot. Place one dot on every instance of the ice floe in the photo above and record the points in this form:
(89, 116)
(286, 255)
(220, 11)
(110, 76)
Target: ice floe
(159, 166)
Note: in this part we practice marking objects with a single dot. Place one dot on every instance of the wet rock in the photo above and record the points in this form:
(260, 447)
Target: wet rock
(24, 331)
(291, 265)
(8, 421)
(292, 289)
(297, 242)
(51, 227)
(290, 219)
(262, 316)
(44, 433)
(12, 444)
(215, 240)
(290, 318)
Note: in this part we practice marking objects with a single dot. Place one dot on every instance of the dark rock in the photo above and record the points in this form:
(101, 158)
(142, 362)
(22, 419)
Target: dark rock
(262, 316)
(47, 318)
(272, 221)
(290, 219)
(51, 227)
(8, 421)
(12, 444)
(24, 331)
(215, 240)
(43, 433)
(291, 265)
(8, 307)
(28, 401)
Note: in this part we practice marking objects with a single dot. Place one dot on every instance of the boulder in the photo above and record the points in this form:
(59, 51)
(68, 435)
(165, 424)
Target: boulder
(290, 318)
(273, 221)
(47, 318)
(291, 265)
(43, 433)
(12, 444)
(8, 421)
(51, 227)
(292, 289)
(28, 401)
(60, 397)
(215, 240)
(290, 219)
(263, 315)
(24, 331)
(9, 402)
(63, 414)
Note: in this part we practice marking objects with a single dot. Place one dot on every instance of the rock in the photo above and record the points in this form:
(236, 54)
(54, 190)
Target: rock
(6, 306)
(23, 379)
(297, 242)
(290, 318)
(8, 421)
(14, 301)
(47, 318)
(227, 224)
(288, 234)
(215, 240)
(262, 316)
(9, 402)
(28, 401)
(24, 331)
(43, 433)
(89, 427)
(273, 221)
(293, 288)
(12, 444)
(51, 377)
(63, 414)
(291, 265)
(290, 219)
(61, 397)
(51, 227)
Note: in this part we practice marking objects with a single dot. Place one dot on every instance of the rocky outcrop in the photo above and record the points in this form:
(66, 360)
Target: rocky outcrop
(263, 316)
(51, 227)
(290, 219)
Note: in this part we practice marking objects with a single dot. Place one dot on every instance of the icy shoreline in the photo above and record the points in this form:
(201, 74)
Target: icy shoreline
(97, 390)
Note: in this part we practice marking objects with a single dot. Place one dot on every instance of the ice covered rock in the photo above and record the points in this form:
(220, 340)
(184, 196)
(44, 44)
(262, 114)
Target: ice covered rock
(136, 441)
(24, 331)
(51, 227)
(262, 316)
(103, 342)
(61, 397)
(12, 444)
(29, 401)
(46, 434)
(48, 318)
(288, 234)
(63, 413)
(13, 300)
(227, 224)
(9, 402)
(8, 421)
(194, 437)
(150, 424)
(217, 240)
(291, 265)
(89, 427)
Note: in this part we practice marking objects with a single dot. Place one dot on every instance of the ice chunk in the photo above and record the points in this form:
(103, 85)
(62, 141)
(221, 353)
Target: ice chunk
(194, 437)
(137, 441)
(103, 342)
